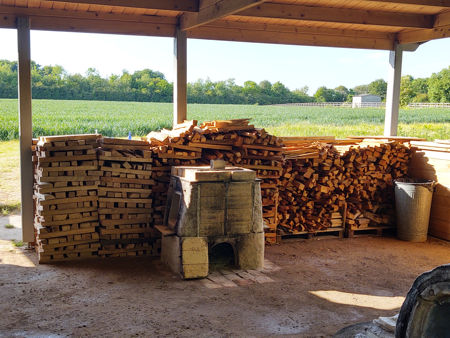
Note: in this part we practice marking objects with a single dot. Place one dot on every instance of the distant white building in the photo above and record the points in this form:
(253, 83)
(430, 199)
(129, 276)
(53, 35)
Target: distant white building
(366, 100)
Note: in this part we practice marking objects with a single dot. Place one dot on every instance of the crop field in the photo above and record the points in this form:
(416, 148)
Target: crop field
(51, 117)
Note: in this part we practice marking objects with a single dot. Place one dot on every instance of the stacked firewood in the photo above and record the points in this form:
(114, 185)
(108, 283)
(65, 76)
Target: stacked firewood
(125, 198)
(65, 192)
(311, 197)
(170, 148)
(235, 141)
(330, 183)
(370, 169)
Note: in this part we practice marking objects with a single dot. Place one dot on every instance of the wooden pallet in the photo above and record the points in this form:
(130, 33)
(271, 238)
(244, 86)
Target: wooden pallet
(337, 232)
(369, 231)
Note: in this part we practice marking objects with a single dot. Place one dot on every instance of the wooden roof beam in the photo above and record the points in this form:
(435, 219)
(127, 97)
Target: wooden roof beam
(433, 3)
(339, 15)
(91, 22)
(169, 5)
(283, 34)
(211, 10)
(440, 30)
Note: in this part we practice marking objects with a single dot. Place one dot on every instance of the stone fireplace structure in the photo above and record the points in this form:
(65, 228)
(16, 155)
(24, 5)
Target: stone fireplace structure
(211, 211)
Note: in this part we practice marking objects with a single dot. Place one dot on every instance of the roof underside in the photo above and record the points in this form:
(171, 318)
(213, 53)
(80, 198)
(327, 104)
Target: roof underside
(336, 23)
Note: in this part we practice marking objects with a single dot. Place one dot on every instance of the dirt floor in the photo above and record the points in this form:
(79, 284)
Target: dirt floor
(308, 288)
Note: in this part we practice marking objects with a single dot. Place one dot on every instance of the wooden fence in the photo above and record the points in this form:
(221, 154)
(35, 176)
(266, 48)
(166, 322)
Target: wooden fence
(363, 104)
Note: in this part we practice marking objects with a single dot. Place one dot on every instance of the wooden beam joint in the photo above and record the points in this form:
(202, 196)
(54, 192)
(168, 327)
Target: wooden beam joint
(211, 10)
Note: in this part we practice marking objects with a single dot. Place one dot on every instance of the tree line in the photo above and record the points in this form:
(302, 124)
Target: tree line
(53, 82)
(435, 89)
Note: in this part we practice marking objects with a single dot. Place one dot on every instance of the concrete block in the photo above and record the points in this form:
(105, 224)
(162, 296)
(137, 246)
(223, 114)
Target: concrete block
(171, 253)
(250, 250)
(194, 257)
(194, 250)
(191, 271)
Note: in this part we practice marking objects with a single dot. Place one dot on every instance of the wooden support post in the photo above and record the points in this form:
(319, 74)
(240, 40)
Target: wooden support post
(393, 91)
(25, 127)
(180, 81)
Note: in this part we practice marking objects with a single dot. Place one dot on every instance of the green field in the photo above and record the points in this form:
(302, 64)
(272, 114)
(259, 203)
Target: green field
(51, 117)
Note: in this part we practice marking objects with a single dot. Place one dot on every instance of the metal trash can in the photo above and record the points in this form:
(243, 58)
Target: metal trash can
(413, 205)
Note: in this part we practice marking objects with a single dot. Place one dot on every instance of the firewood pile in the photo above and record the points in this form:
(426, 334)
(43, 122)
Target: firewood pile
(371, 168)
(235, 141)
(330, 183)
(98, 196)
(312, 197)
(65, 192)
(125, 198)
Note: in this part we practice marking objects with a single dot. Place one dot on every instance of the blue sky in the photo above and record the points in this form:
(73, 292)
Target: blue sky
(295, 66)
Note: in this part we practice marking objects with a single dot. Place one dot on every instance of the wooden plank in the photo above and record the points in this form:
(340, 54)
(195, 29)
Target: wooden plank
(125, 159)
(141, 219)
(285, 34)
(66, 211)
(66, 233)
(384, 137)
(124, 200)
(269, 148)
(95, 26)
(69, 221)
(67, 200)
(127, 171)
(84, 178)
(339, 15)
(60, 245)
(422, 35)
(111, 189)
(442, 19)
(210, 10)
(210, 146)
(127, 180)
(25, 128)
(50, 189)
(170, 5)
(125, 231)
(58, 138)
(68, 158)
(68, 168)
(436, 3)
(124, 211)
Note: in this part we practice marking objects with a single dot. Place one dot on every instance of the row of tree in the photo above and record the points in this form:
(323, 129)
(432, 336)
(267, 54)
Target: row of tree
(53, 82)
(436, 88)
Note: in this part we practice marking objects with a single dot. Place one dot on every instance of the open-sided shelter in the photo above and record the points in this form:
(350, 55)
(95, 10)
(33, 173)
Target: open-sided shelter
(395, 25)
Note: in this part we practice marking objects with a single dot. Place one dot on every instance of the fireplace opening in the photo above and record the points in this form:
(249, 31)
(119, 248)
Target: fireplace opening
(221, 256)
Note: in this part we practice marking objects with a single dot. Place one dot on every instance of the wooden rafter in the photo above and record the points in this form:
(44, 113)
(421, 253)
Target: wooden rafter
(440, 30)
(339, 15)
(283, 34)
(90, 22)
(244, 20)
(211, 10)
(170, 5)
(423, 35)
(434, 3)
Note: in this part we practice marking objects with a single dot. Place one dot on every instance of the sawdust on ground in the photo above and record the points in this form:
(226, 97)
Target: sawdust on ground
(321, 287)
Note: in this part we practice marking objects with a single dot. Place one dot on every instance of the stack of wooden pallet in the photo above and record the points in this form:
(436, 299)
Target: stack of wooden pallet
(235, 141)
(125, 201)
(370, 168)
(311, 194)
(65, 192)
